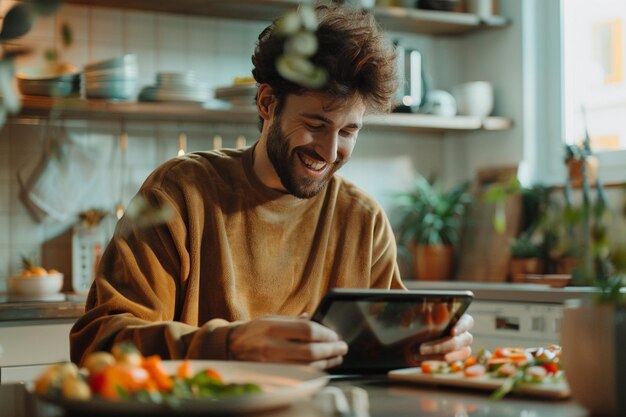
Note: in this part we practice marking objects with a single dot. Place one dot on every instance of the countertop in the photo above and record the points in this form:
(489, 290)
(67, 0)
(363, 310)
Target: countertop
(64, 306)
(486, 291)
(61, 306)
(386, 398)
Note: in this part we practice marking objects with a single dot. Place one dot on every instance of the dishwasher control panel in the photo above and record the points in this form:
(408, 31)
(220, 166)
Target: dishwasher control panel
(506, 323)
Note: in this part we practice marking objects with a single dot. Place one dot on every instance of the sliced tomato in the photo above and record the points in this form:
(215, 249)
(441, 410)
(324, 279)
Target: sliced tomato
(111, 379)
(551, 367)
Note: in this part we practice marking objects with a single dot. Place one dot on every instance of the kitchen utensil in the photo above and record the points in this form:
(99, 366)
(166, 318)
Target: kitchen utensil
(240, 142)
(412, 86)
(217, 142)
(182, 144)
(88, 243)
(119, 207)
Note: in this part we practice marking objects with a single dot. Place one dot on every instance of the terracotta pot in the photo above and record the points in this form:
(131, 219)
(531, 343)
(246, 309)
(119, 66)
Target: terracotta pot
(433, 262)
(565, 266)
(593, 337)
(574, 167)
(523, 266)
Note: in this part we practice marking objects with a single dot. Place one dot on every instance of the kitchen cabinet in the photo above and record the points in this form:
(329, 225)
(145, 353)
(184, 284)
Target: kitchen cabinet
(396, 18)
(30, 346)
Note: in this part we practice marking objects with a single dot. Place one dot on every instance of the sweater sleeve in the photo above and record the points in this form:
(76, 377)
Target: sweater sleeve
(140, 293)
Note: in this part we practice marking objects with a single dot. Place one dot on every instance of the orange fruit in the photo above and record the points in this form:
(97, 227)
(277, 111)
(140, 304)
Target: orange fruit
(38, 271)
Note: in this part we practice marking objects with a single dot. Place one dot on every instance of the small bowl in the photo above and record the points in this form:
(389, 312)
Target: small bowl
(121, 90)
(53, 72)
(36, 286)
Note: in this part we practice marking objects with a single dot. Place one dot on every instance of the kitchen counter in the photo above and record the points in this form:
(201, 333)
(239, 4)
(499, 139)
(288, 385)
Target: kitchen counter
(386, 398)
(63, 306)
(485, 291)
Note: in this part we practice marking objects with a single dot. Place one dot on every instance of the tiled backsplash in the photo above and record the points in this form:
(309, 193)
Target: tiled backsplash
(217, 50)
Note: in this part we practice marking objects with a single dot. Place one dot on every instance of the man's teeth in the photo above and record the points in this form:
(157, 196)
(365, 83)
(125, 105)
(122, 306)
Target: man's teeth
(312, 163)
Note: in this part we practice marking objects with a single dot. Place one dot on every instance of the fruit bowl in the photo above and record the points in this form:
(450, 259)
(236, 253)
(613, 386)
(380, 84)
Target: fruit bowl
(36, 286)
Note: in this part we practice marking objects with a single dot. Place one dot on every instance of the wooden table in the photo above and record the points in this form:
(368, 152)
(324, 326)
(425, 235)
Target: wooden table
(387, 399)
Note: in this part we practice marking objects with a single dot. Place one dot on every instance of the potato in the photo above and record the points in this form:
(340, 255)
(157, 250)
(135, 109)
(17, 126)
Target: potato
(96, 362)
(74, 388)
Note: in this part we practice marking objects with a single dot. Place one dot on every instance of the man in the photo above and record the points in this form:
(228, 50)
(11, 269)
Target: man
(259, 235)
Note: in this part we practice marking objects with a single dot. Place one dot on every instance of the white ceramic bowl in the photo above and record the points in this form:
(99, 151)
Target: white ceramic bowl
(474, 98)
(36, 286)
(128, 60)
(111, 89)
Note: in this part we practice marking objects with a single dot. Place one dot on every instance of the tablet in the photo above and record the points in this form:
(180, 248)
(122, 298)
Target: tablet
(384, 328)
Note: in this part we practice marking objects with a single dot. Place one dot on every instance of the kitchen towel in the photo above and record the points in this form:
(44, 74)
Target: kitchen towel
(64, 175)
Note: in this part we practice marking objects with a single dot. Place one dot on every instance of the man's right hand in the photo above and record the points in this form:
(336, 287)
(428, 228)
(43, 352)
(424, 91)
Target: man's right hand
(287, 339)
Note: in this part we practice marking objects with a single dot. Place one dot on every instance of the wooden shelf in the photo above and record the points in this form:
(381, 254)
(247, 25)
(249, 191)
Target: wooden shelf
(397, 19)
(43, 108)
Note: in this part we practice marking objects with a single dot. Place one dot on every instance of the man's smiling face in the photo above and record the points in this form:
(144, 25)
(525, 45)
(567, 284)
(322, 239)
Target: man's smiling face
(310, 139)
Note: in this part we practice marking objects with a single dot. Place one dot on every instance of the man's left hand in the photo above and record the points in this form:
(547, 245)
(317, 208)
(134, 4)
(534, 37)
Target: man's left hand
(456, 347)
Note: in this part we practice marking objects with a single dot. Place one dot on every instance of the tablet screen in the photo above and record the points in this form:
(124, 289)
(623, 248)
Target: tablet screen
(384, 329)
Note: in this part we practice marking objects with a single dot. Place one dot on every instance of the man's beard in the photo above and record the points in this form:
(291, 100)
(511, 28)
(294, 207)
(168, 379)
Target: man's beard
(285, 165)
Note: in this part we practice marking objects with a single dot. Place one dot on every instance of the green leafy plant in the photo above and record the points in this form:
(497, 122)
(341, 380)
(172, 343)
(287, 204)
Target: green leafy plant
(431, 215)
(524, 247)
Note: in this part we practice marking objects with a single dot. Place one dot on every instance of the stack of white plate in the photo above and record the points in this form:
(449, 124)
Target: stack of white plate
(59, 80)
(180, 87)
(114, 78)
(238, 95)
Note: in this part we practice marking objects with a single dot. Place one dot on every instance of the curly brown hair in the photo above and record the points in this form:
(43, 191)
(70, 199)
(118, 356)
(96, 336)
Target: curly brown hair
(352, 48)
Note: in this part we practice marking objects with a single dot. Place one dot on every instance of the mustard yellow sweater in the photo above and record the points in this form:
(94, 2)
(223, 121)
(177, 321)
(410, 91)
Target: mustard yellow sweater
(234, 250)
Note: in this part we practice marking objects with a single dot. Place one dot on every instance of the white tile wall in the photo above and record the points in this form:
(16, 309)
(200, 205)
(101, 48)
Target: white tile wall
(216, 49)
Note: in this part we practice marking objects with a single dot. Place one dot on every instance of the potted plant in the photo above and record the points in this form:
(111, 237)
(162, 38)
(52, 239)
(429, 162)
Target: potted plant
(577, 160)
(593, 332)
(526, 258)
(430, 224)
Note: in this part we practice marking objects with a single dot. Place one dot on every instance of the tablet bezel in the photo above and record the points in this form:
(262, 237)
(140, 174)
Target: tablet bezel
(377, 295)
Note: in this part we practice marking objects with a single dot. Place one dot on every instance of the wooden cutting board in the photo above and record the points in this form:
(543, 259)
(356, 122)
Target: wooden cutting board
(554, 390)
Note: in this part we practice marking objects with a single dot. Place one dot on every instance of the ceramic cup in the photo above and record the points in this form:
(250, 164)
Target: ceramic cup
(474, 99)
(440, 103)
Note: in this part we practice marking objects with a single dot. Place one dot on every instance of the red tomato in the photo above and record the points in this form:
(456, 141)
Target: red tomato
(551, 367)
(129, 378)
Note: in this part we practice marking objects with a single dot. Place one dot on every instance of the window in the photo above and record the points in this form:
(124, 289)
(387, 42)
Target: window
(594, 41)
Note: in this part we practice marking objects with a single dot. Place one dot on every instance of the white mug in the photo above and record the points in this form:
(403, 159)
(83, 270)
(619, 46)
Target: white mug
(474, 98)
(480, 7)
